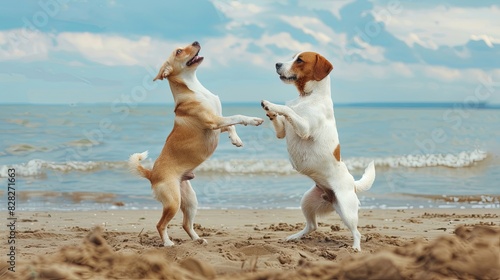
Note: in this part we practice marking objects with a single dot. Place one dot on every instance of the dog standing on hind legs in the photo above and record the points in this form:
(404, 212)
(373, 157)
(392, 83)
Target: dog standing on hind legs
(194, 137)
(308, 123)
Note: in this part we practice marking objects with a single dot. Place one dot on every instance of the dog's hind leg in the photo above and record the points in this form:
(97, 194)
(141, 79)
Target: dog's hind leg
(170, 197)
(347, 207)
(312, 204)
(189, 204)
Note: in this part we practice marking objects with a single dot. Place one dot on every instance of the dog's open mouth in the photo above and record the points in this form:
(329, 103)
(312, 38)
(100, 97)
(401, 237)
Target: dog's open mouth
(288, 79)
(195, 59)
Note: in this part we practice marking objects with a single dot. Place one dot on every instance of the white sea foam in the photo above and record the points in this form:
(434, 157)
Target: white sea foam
(37, 167)
(243, 166)
(462, 159)
(283, 167)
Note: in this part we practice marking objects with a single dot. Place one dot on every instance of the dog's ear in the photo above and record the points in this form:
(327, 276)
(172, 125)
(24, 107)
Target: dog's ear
(165, 70)
(322, 68)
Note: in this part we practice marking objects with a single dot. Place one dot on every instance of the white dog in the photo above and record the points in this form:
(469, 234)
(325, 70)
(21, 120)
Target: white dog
(311, 134)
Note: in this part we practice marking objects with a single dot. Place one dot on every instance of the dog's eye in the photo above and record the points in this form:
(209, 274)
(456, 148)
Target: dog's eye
(299, 60)
(178, 51)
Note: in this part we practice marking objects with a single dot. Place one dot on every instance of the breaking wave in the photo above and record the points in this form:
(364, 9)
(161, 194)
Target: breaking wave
(37, 167)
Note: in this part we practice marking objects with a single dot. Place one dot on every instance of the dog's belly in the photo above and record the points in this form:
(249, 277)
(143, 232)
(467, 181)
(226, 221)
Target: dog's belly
(187, 148)
(319, 164)
(309, 159)
(212, 139)
(206, 148)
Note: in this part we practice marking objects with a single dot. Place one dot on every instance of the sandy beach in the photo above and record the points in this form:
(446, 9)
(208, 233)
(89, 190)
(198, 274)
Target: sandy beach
(249, 244)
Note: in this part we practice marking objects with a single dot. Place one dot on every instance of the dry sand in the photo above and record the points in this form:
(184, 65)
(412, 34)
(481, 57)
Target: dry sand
(249, 244)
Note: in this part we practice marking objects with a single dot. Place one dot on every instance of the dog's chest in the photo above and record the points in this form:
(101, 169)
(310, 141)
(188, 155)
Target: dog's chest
(303, 152)
(211, 101)
(207, 98)
(315, 152)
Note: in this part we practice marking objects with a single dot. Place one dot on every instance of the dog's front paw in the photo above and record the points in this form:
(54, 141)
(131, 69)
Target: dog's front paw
(271, 115)
(271, 109)
(254, 121)
(235, 140)
(265, 104)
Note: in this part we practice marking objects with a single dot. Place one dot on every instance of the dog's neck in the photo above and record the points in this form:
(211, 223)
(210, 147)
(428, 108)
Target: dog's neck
(318, 87)
(186, 81)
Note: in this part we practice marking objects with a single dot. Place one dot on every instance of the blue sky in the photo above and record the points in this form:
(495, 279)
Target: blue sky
(63, 51)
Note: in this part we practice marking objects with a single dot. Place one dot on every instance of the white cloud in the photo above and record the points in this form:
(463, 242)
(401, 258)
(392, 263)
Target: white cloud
(236, 9)
(110, 49)
(402, 69)
(311, 26)
(329, 41)
(413, 39)
(331, 6)
(358, 71)
(24, 44)
(488, 40)
(240, 13)
(441, 25)
(114, 50)
(283, 40)
(441, 73)
(225, 50)
(368, 52)
(231, 48)
(395, 71)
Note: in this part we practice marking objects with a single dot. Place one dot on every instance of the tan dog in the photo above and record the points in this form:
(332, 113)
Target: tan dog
(308, 124)
(194, 137)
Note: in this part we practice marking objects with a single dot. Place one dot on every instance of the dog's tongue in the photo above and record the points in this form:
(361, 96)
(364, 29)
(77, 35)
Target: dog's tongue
(194, 60)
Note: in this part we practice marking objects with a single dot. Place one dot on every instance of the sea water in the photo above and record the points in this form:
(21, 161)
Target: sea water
(71, 157)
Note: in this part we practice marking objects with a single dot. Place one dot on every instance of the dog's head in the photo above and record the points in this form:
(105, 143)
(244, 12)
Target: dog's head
(305, 67)
(181, 60)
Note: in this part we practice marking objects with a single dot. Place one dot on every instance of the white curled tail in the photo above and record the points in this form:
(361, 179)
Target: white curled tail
(366, 181)
(134, 162)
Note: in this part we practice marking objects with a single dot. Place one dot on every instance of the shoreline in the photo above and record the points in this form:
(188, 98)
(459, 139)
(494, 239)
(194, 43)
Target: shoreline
(238, 238)
(107, 201)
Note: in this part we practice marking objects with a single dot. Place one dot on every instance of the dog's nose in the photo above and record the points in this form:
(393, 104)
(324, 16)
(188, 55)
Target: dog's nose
(196, 44)
(278, 66)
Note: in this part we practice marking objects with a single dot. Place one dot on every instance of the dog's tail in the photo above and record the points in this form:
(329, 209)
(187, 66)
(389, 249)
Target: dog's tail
(134, 162)
(366, 181)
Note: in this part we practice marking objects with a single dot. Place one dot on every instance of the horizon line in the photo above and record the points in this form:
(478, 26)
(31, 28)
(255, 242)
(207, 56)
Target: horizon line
(480, 105)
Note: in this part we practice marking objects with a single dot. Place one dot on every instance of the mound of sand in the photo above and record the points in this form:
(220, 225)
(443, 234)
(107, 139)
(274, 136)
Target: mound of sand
(95, 259)
(471, 253)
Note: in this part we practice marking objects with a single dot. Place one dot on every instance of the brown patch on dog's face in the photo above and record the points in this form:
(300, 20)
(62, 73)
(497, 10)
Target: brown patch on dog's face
(336, 153)
(181, 59)
(307, 66)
